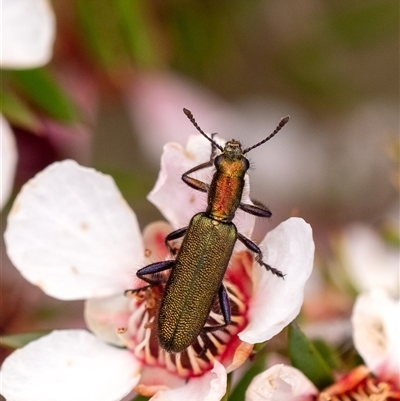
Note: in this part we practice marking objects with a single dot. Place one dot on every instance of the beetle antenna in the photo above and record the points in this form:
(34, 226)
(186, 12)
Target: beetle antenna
(281, 124)
(189, 115)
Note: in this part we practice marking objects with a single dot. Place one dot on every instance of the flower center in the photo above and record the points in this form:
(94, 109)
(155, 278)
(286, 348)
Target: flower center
(141, 334)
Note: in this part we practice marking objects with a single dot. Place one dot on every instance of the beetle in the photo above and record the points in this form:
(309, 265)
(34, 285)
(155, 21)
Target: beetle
(196, 274)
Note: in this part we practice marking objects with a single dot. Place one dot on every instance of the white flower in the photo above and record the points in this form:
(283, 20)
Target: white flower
(71, 233)
(376, 333)
(280, 383)
(46, 368)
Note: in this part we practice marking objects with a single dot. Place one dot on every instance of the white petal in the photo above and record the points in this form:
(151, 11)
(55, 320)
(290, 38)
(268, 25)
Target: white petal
(104, 316)
(155, 378)
(209, 387)
(281, 383)
(8, 160)
(376, 332)
(71, 233)
(276, 302)
(371, 263)
(177, 201)
(69, 365)
(28, 31)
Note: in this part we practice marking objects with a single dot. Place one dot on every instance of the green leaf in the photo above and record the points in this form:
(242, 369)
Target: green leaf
(44, 92)
(328, 354)
(138, 31)
(305, 357)
(228, 387)
(19, 340)
(17, 112)
(100, 33)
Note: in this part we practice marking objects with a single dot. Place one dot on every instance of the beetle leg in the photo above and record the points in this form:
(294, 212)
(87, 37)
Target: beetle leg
(134, 291)
(152, 270)
(258, 209)
(225, 309)
(224, 303)
(172, 236)
(193, 182)
(226, 313)
(253, 247)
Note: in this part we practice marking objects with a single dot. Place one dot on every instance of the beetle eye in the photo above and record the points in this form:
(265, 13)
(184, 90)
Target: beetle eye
(246, 164)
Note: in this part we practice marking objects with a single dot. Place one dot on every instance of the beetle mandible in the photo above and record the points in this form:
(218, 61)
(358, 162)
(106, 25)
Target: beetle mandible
(208, 241)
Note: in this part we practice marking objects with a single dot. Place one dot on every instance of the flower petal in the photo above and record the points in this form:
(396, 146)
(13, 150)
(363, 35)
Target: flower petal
(104, 316)
(241, 355)
(209, 387)
(281, 382)
(28, 31)
(71, 233)
(69, 365)
(376, 333)
(155, 378)
(276, 302)
(177, 201)
(8, 160)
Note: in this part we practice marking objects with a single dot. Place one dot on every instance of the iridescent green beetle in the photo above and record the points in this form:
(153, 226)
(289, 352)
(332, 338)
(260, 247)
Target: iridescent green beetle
(203, 257)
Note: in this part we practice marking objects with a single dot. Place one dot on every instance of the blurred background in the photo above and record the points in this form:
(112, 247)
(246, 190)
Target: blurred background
(121, 72)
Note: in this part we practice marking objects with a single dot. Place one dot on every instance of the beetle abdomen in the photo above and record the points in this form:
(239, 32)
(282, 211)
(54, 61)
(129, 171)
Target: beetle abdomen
(195, 279)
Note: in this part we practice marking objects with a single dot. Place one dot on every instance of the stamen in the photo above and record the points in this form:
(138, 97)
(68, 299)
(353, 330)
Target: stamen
(236, 296)
(168, 362)
(220, 348)
(144, 343)
(194, 361)
(178, 364)
(124, 339)
(161, 357)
